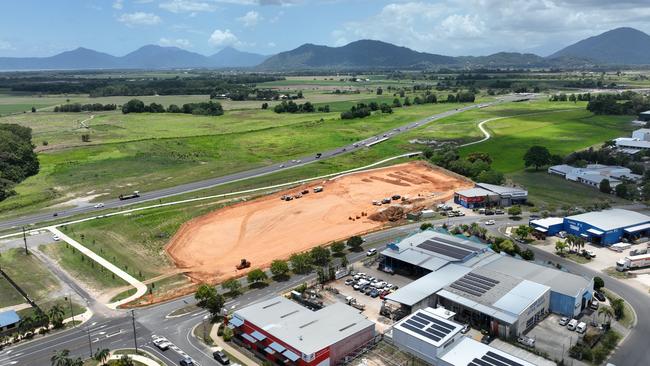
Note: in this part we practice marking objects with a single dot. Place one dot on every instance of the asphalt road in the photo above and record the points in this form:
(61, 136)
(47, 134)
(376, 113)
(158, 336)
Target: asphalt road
(117, 332)
(217, 181)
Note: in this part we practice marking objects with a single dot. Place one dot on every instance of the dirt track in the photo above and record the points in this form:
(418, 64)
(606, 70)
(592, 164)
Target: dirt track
(209, 247)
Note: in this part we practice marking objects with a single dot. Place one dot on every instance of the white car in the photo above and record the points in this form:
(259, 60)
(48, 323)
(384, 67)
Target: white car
(564, 321)
(162, 343)
(55, 237)
(371, 252)
(489, 222)
(99, 205)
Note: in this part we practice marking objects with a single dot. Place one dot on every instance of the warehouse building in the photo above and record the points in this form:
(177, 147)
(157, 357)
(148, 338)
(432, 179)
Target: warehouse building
(608, 227)
(644, 116)
(490, 195)
(439, 341)
(282, 331)
(593, 174)
(547, 226)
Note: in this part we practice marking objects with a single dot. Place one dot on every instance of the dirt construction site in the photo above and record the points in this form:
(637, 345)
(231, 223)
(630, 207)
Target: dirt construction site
(209, 247)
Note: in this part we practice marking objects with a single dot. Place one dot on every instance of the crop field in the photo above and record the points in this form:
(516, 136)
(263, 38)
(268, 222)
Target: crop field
(114, 168)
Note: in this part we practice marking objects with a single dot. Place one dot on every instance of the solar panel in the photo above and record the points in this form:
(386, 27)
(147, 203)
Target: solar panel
(456, 244)
(469, 291)
(504, 359)
(421, 332)
(428, 326)
(483, 278)
(481, 362)
(450, 250)
(481, 282)
(474, 284)
(492, 361)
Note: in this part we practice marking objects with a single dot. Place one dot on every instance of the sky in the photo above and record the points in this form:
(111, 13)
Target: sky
(449, 27)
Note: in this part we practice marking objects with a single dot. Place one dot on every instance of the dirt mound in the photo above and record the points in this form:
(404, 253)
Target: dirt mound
(392, 214)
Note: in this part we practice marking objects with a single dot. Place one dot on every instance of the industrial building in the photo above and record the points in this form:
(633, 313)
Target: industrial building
(605, 227)
(8, 320)
(489, 290)
(438, 341)
(285, 332)
(593, 174)
(490, 195)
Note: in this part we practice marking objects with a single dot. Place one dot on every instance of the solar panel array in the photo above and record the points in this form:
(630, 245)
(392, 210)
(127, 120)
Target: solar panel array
(493, 359)
(448, 248)
(474, 284)
(428, 327)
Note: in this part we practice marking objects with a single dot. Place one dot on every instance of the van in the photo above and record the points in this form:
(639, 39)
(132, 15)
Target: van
(582, 327)
(526, 341)
(572, 324)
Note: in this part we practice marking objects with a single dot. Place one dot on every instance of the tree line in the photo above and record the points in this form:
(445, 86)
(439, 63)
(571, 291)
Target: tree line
(18, 161)
(209, 108)
(77, 107)
(476, 166)
(625, 103)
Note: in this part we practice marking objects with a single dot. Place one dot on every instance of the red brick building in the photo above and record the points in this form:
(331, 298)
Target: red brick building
(287, 333)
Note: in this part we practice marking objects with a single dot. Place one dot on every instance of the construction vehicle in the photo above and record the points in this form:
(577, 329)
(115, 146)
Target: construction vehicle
(135, 194)
(243, 264)
(633, 261)
(318, 189)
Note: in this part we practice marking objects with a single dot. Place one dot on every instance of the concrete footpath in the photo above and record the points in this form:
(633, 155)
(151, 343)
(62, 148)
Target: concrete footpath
(219, 342)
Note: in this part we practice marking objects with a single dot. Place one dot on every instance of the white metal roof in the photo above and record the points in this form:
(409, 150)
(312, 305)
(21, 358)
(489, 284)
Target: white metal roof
(611, 219)
(467, 349)
(427, 285)
(595, 232)
(637, 228)
(521, 297)
(475, 192)
(485, 309)
(548, 222)
(305, 330)
(503, 190)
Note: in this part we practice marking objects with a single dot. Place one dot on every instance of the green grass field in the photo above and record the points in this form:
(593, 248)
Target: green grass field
(29, 273)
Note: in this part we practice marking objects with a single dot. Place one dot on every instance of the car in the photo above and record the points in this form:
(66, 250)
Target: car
(374, 293)
(581, 327)
(526, 341)
(371, 252)
(486, 339)
(489, 212)
(563, 321)
(572, 324)
(221, 357)
(55, 237)
(599, 296)
(489, 222)
(561, 234)
(55, 214)
(298, 161)
(99, 205)
(368, 290)
(281, 165)
(498, 212)
(465, 329)
(349, 282)
(593, 305)
(162, 343)
(187, 361)
(383, 294)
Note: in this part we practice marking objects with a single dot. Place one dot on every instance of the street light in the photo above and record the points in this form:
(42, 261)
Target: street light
(205, 332)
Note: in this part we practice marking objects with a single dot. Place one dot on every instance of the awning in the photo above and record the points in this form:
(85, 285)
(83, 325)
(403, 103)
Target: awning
(595, 232)
(277, 346)
(231, 326)
(540, 229)
(290, 355)
(584, 235)
(634, 229)
(247, 337)
(236, 322)
(259, 336)
(269, 350)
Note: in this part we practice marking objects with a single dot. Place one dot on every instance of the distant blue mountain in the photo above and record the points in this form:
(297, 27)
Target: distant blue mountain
(620, 46)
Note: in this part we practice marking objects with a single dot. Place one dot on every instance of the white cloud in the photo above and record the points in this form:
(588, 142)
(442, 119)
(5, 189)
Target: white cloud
(261, 2)
(222, 38)
(271, 44)
(139, 18)
(118, 4)
(187, 6)
(250, 19)
(179, 42)
(5, 45)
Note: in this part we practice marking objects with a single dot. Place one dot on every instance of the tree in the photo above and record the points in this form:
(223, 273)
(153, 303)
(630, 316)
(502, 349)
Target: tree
(61, 358)
(256, 277)
(320, 256)
(560, 246)
(621, 190)
(380, 91)
(232, 285)
(338, 248)
(523, 231)
(280, 269)
(607, 312)
(300, 263)
(598, 283)
(514, 211)
(426, 226)
(528, 255)
(604, 186)
(491, 177)
(619, 308)
(265, 105)
(33, 109)
(125, 360)
(208, 299)
(344, 261)
(355, 243)
(101, 355)
(537, 156)
(133, 106)
(56, 313)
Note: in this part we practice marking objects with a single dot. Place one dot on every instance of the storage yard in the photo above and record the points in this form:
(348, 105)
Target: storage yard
(208, 247)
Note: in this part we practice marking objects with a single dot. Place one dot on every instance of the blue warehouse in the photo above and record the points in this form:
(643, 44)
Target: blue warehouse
(608, 227)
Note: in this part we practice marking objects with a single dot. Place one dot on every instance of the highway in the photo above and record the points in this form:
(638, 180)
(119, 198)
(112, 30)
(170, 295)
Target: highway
(217, 181)
(117, 331)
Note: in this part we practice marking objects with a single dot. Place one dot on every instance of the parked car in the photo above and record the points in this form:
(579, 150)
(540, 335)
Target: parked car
(581, 327)
(489, 212)
(593, 305)
(599, 296)
(526, 341)
(371, 252)
(221, 357)
(498, 212)
(572, 324)
(99, 205)
(486, 339)
(489, 222)
(561, 234)
(465, 329)
(368, 290)
(374, 293)
(564, 321)
(55, 237)
(349, 282)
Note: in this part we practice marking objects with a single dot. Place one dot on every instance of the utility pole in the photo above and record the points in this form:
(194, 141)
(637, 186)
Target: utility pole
(90, 343)
(71, 310)
(25, 241)
(135, 338)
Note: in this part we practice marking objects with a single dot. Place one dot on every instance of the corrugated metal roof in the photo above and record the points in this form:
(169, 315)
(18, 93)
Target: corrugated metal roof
(521, 297)
(487, 310)
(611, 219)
(427, 285)
(548, 222)
(467, 349)
(8, 318)
(475, 192)
(503, 190)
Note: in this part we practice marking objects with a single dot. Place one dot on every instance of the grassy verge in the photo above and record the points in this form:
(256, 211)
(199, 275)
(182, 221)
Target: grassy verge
(29, 273)
(68, 310)
(157, 289)
(628, 319)
(577, 258)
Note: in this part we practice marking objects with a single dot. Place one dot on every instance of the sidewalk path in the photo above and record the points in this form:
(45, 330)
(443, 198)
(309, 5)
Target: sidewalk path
(219, 342)
(140, 287)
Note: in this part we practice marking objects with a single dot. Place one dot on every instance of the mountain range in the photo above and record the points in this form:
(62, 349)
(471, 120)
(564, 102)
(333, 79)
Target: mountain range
(620, 46)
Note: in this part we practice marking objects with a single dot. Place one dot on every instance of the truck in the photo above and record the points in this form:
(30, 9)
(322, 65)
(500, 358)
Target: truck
(318, 155)
(633, 261)
(318, 189)
(135, 194)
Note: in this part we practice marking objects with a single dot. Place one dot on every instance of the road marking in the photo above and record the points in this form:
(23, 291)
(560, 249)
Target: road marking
(114, 334)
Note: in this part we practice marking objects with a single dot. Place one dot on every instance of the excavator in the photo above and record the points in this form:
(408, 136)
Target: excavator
(243, 264)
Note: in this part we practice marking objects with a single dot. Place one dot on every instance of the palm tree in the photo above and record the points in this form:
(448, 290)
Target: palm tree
(102, 355)
(56, 315)
(42, 320)
(560, 246)
(26, 325)
(607, 312)
(125, 361)
(61, 358)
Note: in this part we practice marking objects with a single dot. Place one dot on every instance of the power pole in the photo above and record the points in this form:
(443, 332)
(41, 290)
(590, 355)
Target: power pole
(90, 343)
(135, 338)
(71, 311)
(25, 241)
